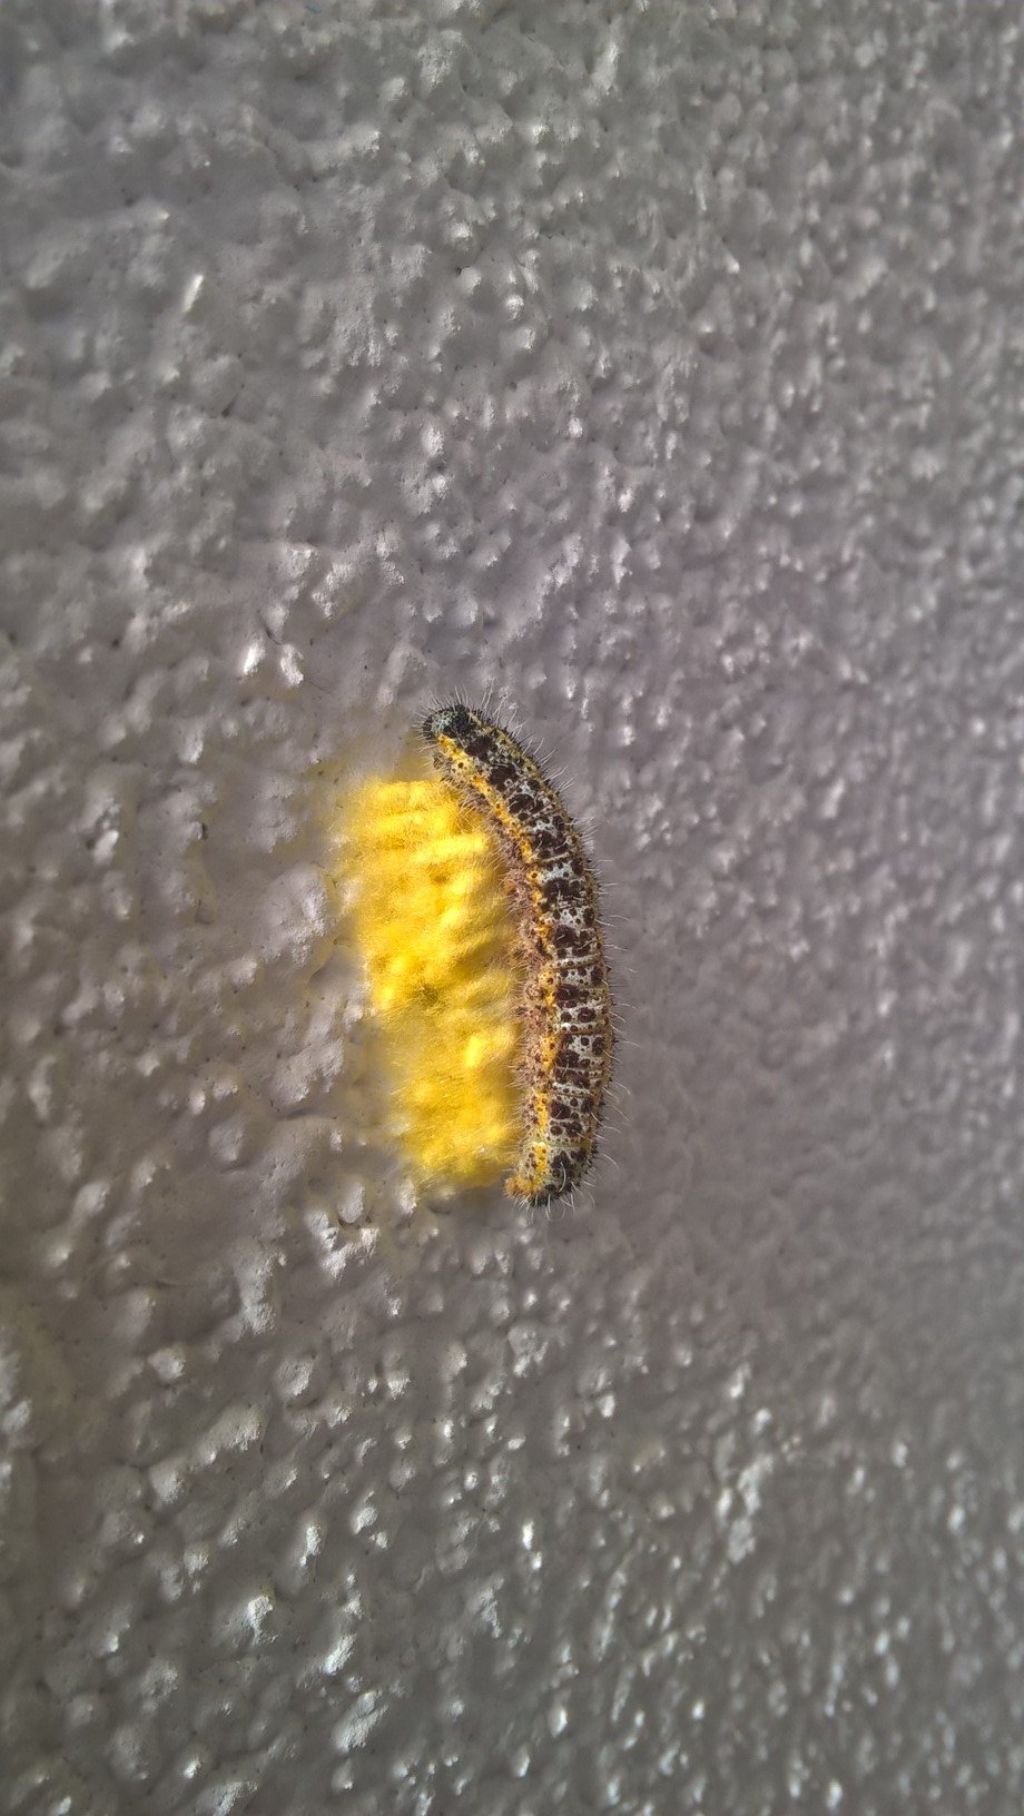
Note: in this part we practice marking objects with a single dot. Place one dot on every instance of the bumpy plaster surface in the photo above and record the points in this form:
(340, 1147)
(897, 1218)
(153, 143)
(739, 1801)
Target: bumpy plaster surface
(660, 363)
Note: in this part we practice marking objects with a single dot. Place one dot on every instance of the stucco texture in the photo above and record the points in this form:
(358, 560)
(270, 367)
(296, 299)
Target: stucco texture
(658, 366)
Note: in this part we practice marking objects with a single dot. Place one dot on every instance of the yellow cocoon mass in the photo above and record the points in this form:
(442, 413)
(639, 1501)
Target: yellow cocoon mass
(434, 926)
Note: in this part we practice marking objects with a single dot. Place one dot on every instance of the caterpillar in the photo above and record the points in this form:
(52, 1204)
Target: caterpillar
(566, 1005)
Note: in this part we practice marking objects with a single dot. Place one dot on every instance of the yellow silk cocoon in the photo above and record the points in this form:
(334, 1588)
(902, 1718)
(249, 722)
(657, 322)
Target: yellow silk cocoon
(434, 926)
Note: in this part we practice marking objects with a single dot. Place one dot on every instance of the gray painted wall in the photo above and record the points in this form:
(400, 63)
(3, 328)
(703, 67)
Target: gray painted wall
(660, 364)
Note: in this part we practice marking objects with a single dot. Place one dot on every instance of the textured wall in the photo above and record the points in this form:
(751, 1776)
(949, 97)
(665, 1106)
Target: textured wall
(662, 364)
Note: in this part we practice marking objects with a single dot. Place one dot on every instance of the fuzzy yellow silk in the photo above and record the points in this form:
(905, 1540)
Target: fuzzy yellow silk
(437, 936)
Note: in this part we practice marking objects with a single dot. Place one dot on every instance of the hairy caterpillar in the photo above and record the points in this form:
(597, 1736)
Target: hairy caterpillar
(566, 1002)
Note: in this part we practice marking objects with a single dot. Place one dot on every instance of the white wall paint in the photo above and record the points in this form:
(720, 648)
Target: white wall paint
(660, 364)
